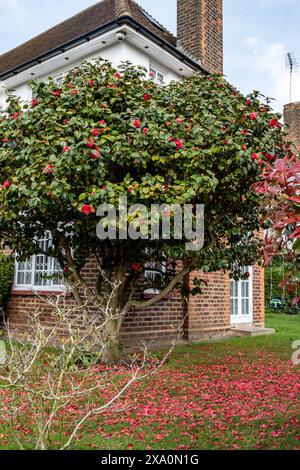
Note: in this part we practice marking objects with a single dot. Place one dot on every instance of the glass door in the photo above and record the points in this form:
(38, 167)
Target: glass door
(241, 293)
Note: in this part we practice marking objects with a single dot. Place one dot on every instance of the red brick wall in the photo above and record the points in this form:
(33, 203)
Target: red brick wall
(206, 315)
(209, 312)
(258, 296)
(292, 118)
(200, 31)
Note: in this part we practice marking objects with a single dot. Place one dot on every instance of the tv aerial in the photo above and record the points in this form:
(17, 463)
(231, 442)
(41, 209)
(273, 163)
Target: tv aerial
(291, 64)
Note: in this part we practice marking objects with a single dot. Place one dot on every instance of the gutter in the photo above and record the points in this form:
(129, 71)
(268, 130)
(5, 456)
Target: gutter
(124, 20)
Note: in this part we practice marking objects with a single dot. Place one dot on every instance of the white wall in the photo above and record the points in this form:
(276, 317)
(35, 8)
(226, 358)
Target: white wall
(115, 52)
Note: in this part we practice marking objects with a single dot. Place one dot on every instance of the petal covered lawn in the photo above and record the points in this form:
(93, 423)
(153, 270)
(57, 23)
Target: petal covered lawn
(237, 394)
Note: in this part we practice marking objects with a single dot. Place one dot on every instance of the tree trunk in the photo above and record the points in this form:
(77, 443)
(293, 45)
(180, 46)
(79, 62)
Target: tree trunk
(111, 347)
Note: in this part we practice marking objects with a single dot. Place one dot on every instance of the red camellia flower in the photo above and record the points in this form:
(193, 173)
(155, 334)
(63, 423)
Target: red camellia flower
(48, 169)
(136, 266)
(73, 92)
(244, 147)
(90, 143)
(57, 93)
(146, 131)
(245, 132)
(102, 122)
(147, 97)
(66, 122)
(15, 115)
(268, 156)
(248, 102)
(253, 116)
(95, 132)
(117, 75)
(95, 154)
(86, 209)
(6, 184)
(5, 141)
(34, 102)
(66, 148)
(179, 120)
(92, 83)
(274, 123)
(178, 143)
(255, 156)
(170, 139)
(137, 123)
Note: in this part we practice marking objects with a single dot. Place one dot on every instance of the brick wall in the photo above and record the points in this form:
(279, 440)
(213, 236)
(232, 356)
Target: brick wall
(204, 316)
(200, 31)
(209, 312)
(292, 118)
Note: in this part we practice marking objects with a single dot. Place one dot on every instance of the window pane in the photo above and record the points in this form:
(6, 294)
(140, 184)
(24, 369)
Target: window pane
(44, 268)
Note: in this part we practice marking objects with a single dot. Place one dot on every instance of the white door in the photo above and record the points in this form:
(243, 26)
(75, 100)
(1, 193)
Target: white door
(241, 293)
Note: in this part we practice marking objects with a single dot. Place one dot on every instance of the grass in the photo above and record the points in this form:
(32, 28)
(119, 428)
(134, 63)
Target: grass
(241, 393)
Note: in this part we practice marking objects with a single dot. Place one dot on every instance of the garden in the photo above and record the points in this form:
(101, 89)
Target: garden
(241, 393)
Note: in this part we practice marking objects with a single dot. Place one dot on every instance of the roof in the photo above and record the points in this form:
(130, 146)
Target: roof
(103, 13)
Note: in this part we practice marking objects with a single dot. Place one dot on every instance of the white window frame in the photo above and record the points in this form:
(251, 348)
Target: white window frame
(153, 69)
(238, 300)
(32, 263)
(150, 270)
(58, 79)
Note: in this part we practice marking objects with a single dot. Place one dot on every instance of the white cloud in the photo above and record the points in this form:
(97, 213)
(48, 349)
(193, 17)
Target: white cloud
(268, 60)
(10, 3)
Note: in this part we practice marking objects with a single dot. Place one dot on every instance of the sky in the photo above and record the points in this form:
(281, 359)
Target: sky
(257, 35)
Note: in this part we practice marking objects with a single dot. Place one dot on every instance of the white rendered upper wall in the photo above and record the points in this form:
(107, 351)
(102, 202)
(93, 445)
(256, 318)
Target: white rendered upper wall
(135, 49)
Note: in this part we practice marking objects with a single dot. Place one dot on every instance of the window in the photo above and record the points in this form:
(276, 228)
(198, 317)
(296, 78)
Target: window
(157, 75)
(59, 79)
(38, 272)
(241, 298)
(154, 275)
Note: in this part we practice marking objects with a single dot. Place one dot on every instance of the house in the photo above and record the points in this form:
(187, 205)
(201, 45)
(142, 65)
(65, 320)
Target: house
(120, 30)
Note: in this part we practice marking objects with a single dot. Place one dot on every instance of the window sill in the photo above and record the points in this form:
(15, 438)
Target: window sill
(32, 293)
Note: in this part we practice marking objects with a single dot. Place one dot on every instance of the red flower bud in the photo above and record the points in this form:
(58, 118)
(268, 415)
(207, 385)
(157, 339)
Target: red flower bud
(137, 123)
(95, 132)
(34, 102)
(136, 266)
(253, 116)
(178, 143)
(86, 209)
(6, 184)
(48, 169)
(147, 97)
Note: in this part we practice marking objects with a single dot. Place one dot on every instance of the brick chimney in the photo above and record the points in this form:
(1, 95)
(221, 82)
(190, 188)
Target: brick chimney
(200, 31)
(292, 118)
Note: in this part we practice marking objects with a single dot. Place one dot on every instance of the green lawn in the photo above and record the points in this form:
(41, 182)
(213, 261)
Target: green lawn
(241, 393)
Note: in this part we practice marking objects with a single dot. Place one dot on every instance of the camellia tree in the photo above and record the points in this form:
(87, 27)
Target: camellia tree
(106, 133)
